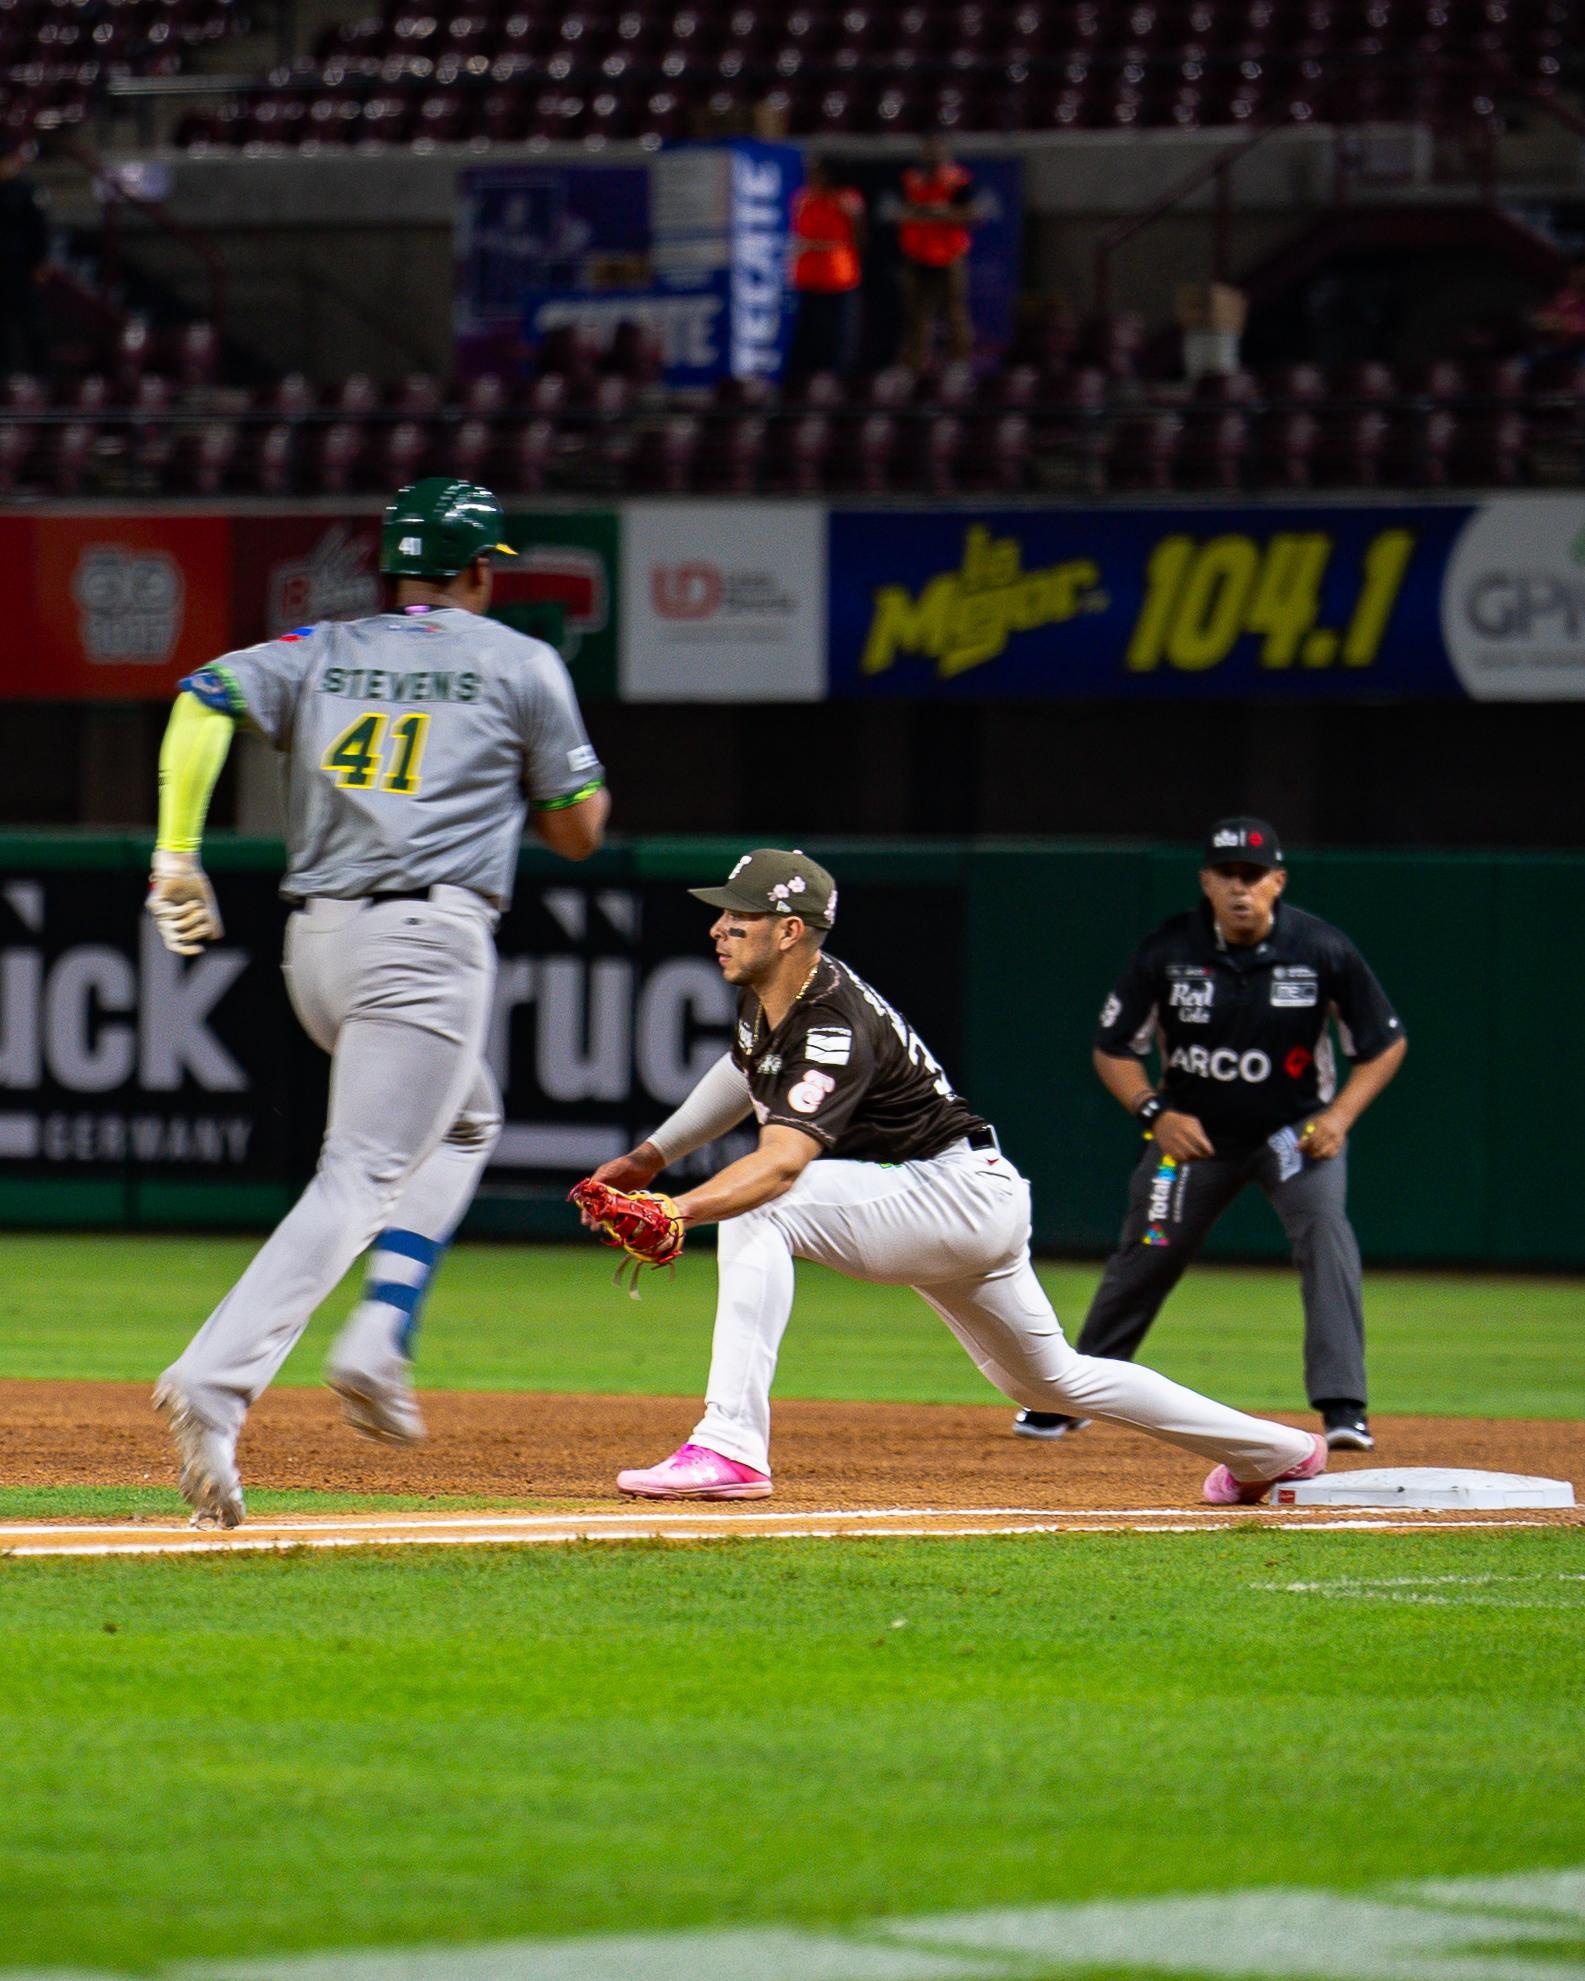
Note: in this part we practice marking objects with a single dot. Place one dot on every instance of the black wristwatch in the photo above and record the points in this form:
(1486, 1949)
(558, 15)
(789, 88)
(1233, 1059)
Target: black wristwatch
(1149, 1111)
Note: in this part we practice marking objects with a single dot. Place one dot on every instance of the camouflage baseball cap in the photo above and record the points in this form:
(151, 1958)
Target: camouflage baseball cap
(773, 881)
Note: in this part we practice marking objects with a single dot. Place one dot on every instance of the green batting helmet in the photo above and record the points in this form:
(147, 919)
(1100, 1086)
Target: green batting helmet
(436, 527)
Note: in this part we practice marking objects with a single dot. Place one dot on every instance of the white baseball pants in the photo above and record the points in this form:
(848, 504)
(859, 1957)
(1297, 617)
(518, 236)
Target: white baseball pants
(955, 1229)
(399, 993)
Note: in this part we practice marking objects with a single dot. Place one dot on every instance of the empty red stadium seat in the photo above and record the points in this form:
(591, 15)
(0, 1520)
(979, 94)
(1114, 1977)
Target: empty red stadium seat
(203, 461)
(798, 450)
(863, 454)
(664, 452)
(1142, 450)
(338, 458)
(17, 441)
(1213, 451)
(418, 396)
(732, 455)
(196, 356)
(403, 453)
(272, 466)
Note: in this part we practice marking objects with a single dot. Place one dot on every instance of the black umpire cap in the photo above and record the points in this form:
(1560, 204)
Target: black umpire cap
(1242, 842)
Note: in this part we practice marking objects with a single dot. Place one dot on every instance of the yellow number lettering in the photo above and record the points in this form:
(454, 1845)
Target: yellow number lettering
(1211, 610)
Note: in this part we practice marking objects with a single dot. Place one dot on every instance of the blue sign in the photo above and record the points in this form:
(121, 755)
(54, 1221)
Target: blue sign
(1208, 602)
(561, 229)
(693, 244)
(722, 229)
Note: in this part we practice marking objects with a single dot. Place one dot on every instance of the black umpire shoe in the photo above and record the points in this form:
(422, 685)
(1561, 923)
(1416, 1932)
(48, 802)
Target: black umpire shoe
(1045, 1424)
(1347, 1428)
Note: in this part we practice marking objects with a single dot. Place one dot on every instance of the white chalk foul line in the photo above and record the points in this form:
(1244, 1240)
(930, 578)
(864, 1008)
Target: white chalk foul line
(747, 1516)
(457, 1531)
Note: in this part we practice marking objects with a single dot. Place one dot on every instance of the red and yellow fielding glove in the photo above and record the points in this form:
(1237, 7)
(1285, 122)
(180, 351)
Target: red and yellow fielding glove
(644, 1224)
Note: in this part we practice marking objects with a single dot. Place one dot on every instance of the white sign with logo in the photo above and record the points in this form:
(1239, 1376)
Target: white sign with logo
(129, 604)
(1513, 600)
(723, 602)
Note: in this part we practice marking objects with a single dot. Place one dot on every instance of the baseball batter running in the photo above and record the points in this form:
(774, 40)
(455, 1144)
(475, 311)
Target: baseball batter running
(415, 741)
(867, 1162)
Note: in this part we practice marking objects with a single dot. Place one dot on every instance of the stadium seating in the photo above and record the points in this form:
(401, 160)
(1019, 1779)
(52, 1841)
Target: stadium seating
(515, 70)
(594, 419)
(57, 57)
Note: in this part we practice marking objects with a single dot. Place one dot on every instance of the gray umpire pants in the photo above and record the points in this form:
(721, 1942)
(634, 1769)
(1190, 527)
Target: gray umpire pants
(399, 994)
(1170, 1214)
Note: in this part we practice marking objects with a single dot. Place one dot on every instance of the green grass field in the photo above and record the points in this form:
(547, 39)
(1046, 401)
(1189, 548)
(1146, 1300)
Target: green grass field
(548, 1318)
(261, 1764)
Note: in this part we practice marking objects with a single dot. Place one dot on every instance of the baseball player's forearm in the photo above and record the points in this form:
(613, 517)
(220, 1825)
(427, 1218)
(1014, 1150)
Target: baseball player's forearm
(197, 739)
(1123, 1078)
(717, 1103)
(1367, 1081)
(760, 1177)
(574, 827)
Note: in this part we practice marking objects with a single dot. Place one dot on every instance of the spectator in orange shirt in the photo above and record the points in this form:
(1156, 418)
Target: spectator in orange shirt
(935, 237)
(827, 267)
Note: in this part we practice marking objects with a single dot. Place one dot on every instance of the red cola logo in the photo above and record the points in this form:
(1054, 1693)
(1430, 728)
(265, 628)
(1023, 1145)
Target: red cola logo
(1296, 1065)
(559, 574)
(684, 591)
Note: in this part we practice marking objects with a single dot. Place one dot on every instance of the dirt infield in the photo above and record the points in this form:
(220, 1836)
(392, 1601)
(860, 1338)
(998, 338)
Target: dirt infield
(566, 1450)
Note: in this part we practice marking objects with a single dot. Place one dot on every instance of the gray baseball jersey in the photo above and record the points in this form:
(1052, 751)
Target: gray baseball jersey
(414, 742)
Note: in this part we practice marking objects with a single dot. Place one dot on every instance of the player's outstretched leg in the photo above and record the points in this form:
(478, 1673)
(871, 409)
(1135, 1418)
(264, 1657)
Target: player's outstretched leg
(370, 1363)
(728, 1454)
(1006, 1323)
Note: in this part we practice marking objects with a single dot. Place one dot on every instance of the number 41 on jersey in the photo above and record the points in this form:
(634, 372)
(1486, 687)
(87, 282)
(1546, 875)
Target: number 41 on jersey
(363, 757)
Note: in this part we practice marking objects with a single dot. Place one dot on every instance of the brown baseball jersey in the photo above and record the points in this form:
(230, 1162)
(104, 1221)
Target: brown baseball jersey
(850, 1071)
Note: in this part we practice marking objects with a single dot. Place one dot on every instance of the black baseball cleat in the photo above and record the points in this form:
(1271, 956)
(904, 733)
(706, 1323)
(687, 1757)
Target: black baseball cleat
(1347, 1430)
(1046, 1424)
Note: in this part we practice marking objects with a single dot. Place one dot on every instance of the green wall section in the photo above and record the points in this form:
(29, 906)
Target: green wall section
(1472, 1155)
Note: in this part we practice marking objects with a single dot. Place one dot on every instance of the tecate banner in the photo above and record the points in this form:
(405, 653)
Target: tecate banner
(723, 602)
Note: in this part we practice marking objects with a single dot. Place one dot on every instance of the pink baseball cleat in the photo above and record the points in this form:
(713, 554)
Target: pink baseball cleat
(1222, 1489)
(695, 1473)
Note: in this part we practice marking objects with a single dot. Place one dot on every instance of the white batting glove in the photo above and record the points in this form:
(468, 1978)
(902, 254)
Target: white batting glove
(182, 903)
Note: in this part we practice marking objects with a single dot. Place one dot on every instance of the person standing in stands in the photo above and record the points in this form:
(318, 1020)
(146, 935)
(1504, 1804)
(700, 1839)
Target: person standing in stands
(827, 267)
(934, 237)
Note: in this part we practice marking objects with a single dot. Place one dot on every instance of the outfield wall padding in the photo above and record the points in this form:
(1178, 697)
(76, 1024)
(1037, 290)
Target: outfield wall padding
(1000, 953)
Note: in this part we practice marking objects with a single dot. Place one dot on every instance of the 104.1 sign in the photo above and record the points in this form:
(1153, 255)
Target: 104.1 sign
(1206, 601)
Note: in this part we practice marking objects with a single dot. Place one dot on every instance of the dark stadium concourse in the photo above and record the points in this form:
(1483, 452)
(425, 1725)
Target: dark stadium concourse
(1447, 774)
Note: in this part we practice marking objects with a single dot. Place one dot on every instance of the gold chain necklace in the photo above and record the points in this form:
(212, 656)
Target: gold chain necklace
(760, 1013)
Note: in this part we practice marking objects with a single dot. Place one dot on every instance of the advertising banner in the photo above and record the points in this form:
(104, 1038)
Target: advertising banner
(692, 244)
(1214, 601)
(723, 603)
(112, 607)
(1513, 600)
(610, 1005)
(722, 220)
(530, 237)
(121, 1063)
(118, 1058)
(569, 558)
(291, 571)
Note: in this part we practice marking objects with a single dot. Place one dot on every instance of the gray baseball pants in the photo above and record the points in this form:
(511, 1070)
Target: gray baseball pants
(399, 994)
(1313, 1208)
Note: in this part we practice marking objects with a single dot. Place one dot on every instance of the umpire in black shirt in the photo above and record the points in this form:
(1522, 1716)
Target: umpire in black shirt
(1237, 996)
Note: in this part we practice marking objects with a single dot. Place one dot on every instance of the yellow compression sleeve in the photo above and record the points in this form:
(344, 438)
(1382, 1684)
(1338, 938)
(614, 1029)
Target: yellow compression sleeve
(196, 741)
